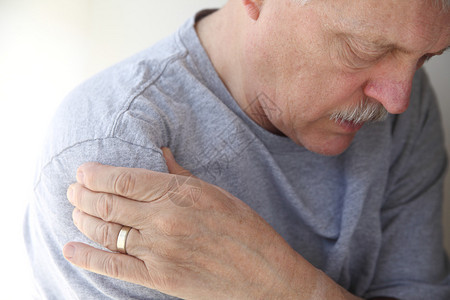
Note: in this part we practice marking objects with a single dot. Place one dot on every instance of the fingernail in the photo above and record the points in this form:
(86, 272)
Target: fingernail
(70, 193)
(69, 251)
(80, 177)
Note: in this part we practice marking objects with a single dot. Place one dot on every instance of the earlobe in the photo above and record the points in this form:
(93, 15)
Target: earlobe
(253, 8)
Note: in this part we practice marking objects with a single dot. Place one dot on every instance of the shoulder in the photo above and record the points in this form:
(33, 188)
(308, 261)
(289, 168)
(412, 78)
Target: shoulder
(95, 109)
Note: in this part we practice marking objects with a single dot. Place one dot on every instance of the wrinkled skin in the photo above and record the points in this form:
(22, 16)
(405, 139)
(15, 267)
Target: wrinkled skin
(326, 56)
(209, 246)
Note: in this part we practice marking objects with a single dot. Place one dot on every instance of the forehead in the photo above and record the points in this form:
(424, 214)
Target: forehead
(416, 26)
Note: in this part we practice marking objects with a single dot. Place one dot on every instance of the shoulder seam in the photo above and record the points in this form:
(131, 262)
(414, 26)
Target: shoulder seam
(143, 87)
(80, 143)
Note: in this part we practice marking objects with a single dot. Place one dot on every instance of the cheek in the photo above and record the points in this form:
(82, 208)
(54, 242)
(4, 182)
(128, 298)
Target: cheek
(308, 105)
(343, 89)
(318, 92)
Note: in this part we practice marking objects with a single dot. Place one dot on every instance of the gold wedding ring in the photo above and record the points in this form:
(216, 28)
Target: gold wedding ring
(122, 239)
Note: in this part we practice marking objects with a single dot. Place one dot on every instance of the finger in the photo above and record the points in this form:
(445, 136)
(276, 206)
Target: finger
(136, 184)
(108, 207)
(105, 233)
(172, 165)
(116, 265)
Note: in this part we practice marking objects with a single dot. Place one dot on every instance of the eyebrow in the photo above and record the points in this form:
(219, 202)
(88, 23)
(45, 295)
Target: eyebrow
(444, 50)
(379, 42)
(382, 44)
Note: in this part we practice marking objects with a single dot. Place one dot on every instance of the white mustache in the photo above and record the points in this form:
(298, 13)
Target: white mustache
(366, 111)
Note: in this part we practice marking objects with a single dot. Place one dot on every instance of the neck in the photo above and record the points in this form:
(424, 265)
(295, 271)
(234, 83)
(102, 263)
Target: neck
(222, 34)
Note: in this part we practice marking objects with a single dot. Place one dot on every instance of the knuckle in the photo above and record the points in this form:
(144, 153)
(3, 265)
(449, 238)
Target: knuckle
(104, 234)
(112, 266)
(105, 206)
(87, 259)
(124, 184)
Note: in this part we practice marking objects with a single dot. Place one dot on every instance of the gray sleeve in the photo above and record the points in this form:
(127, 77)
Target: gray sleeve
(412, 262)
(48, 223)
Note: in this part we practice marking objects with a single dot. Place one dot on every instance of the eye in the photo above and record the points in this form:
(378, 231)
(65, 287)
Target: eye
(358, 55)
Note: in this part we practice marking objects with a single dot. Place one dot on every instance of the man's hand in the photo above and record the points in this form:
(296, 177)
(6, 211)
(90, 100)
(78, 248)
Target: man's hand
(189, 239)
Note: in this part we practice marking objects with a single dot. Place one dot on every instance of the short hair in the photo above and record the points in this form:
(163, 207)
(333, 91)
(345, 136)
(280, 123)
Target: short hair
(443, 4)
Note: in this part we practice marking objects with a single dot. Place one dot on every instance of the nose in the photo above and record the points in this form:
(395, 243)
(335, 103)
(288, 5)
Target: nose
(391, 87)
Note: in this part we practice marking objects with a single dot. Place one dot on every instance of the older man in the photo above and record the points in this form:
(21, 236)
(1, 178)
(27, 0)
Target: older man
(273, 101)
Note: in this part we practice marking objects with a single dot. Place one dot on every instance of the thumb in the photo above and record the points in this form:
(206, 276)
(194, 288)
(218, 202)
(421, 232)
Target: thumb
(172, 165)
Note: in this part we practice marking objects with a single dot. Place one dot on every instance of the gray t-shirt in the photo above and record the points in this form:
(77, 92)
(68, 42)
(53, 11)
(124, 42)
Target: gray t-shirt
(370, 218)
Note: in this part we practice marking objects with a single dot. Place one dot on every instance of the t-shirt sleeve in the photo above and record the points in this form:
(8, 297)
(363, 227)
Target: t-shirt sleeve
(412, 262)
(49, 226)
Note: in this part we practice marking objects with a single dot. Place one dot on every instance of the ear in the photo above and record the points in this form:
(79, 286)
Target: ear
(253, 8)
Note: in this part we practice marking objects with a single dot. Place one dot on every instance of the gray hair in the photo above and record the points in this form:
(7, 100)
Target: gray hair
(444, 4)
(366, 110)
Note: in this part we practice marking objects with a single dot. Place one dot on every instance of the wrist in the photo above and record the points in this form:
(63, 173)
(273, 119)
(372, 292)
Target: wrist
(309, 283)
(326, 288)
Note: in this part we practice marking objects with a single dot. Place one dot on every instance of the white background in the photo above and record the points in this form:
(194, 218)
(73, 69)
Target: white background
(47, 47)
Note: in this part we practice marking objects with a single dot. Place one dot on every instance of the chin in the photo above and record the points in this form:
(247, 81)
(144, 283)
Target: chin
(331, 146)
